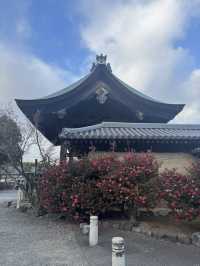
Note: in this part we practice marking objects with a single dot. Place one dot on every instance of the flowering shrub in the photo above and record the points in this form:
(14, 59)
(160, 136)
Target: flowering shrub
(181, 192)
(194, 172)
(96, 186)
(55, 188)
(130, 184)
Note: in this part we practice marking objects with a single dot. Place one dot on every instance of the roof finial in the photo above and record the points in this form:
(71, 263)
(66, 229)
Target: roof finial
(101, 60)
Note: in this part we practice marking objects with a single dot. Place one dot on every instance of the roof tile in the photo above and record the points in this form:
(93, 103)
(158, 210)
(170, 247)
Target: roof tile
(117, 130)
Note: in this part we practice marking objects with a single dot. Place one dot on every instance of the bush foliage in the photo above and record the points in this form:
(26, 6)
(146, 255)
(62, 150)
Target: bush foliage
(182, 192)
(98, 186)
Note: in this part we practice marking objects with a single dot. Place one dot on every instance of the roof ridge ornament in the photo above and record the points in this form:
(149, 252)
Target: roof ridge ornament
(101, 60)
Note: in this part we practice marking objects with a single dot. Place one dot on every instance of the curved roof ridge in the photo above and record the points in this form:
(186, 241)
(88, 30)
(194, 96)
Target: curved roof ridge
(139, 93)
(130, 88)
(68, 88)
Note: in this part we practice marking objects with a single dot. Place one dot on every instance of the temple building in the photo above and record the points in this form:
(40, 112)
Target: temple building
(101, 112)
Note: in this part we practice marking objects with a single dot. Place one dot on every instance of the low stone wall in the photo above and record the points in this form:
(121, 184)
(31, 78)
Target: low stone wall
(180, 161)
(144, 228)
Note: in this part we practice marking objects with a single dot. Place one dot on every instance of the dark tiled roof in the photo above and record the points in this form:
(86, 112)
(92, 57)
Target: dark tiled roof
(98, 96)
(117, 130)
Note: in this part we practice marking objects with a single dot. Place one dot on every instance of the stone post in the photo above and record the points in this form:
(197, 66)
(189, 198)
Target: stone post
(118, 252)
(196, 239)
(85, 228)
(20, 197)
(93, 234)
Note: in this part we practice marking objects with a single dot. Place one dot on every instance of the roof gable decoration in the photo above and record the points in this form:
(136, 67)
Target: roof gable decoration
(61, 113)
(102, 92)
(139, 115)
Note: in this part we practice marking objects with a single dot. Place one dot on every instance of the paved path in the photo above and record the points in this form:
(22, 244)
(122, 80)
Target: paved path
(29, 241)
(7, 195)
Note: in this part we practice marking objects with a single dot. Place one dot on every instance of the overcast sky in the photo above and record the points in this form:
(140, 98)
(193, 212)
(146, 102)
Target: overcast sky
(154, 45)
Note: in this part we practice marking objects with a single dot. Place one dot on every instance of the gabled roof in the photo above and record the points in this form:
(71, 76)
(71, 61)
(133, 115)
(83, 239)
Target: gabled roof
(82, 80)
(99, 96)
(114, 131)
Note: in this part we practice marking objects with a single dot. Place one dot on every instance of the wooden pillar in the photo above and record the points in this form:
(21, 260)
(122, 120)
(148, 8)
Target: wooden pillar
(66, 151)
(70, 156)
(63, 152)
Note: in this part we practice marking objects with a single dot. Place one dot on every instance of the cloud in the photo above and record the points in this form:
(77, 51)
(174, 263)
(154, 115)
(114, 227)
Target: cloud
(191, 94)
(140, 39)
(23, 75)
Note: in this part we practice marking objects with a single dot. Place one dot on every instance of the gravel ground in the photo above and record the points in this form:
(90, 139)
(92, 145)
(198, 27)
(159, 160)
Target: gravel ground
(26, 241)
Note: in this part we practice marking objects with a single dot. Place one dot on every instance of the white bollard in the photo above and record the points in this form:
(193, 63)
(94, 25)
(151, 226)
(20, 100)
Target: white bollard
(86, 229)
(118, 252)
(81, 225)
(93, 234)
(20, 197)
